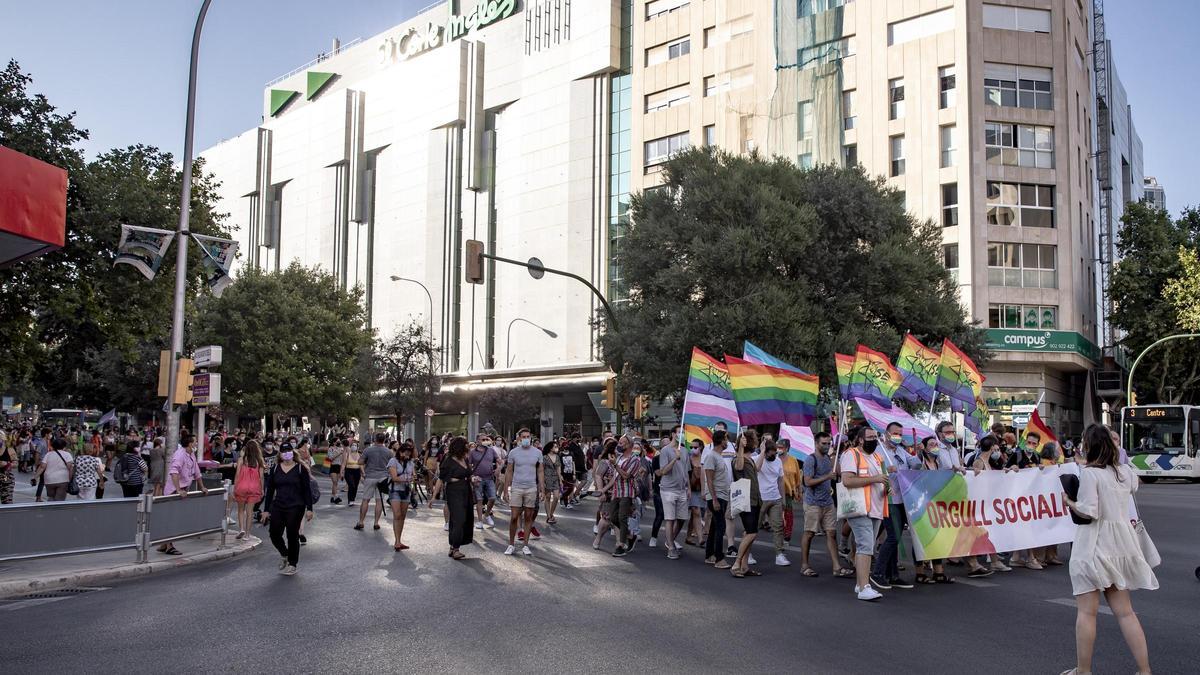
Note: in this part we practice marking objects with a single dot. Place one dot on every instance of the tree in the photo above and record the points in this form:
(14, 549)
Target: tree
(407, 372)
(503, 409)
(801, 262)
(1150, 265)
(294, 341)
(1184, 290)
(78, 331)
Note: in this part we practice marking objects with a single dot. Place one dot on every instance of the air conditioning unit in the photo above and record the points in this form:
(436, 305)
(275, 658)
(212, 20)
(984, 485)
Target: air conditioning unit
(1110, 383)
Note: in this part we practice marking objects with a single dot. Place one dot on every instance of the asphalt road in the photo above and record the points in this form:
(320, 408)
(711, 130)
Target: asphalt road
(356, 606)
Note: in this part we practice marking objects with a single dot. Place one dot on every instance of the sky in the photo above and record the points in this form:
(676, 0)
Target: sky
(122, 66)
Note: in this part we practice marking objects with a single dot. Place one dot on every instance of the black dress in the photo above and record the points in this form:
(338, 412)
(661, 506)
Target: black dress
(457, 481)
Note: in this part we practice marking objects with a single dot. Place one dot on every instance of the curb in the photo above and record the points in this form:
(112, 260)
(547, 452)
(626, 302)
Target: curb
(128, 571)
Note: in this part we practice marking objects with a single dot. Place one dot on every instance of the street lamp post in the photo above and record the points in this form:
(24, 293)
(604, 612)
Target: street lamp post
(508, 342)
(427, 295)
(181, 252)
(1129, 385)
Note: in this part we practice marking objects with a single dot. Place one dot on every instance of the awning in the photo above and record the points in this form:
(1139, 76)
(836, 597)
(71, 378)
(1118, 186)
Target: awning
(582, 378)
(33, 207)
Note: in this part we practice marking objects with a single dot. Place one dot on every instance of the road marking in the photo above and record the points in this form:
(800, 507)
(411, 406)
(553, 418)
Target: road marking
(974, 582)
(1070, 602)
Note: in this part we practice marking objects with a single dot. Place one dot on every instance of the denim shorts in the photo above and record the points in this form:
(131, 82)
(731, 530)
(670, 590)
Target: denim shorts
(865, 530)
(486, 490)
(400, 493)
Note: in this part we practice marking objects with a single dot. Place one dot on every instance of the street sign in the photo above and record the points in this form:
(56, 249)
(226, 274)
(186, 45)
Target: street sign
(207, 357)
(206, 389)
(1020, 420)
(1023, 409)
(537, 270)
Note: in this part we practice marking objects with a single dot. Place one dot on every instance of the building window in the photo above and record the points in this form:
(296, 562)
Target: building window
(746, 130)
(710, 36)
(1037, 317)
(712, 87)
(897, 147)
(811, 7)
(1022, 265)
(667, 51)
(947, 137)
(805, 117)
(850, 154)
(848, 116)
(668, 98)
(950, 205)
(805, 161)
(1020, 204)
(1018, 86)
(825, 52)
(660, 149)
(896, 98)
(710, 135)
(950, 259)
(1019, 145)
(946, 84)
(660, 7)
(1007, 17)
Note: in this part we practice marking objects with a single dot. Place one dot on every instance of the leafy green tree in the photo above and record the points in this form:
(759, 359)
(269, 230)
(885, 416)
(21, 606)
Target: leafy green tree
(407, 372)
(1184, 290)
(801, 262)
(1149, 265)
(77, 330)
(295, 343)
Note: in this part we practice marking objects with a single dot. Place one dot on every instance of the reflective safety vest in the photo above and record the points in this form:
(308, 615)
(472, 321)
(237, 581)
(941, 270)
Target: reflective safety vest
(862, 465)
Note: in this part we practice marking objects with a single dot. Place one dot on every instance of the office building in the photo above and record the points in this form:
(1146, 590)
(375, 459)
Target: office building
(1154, 193)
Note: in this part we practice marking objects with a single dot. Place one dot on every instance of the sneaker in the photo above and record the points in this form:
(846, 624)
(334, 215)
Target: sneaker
(731, 552)
(998, 566)
(479, 526)
(750, 560)
(595, 529)
(491, 522)
(230, 521)
(621, 551)
(869, 593)
(979, 572)
(634, 539)
(288, 571)
(510, 550)
(897, 582)
(782, 561)
(653, 542)
(303, 540)
(673, 554)
(570, 506)
(445, 527)
(520, 535)
(525, 551)
(879, 583)
(282, 563)
(534, 534)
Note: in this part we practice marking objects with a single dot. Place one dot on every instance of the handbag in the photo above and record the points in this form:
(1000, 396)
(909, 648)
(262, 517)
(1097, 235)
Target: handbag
(1149, 550)
(72, 484)
(850, 503)
(739, 496)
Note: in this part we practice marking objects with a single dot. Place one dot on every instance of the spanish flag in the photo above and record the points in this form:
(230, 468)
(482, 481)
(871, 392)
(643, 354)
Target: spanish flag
(1037, 426)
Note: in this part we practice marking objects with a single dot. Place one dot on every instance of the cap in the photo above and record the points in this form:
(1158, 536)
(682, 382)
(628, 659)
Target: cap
(285, 446)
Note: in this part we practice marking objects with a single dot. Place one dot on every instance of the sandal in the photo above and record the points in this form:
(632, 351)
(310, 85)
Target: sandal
(923, 579)
(844, 573)
(358, 526)
(942, 579)
(458, 555)
(809, 572)
(753, 573)
(738, 575)
(173, 551)
(376, 526)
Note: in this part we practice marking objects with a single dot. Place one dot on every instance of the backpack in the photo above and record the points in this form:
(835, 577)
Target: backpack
(120, 472)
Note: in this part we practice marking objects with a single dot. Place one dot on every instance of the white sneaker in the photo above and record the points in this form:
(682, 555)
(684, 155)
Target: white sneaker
(288, 571)
(595, 529)
(491, 523)
(446, 527)
(282, 563)
(782, 561)
(510, 550)
(230, 521)
(479, 526)
(525, 551)
(750, 560)
(869, 593)
(653, 542)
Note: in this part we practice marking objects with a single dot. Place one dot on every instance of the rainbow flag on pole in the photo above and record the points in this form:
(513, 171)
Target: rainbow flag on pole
(754, 354)
(919, 366)
(958, 377)
(708, 399)
(845, 368)
(879, 416)
(874, 376)
(1037, 426)
(769, 395)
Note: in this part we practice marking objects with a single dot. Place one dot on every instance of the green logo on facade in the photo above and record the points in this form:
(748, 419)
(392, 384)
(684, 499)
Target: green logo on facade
(415, 40)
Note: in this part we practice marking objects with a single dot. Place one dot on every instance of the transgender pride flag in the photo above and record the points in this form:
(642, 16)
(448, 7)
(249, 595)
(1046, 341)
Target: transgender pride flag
(802, 440)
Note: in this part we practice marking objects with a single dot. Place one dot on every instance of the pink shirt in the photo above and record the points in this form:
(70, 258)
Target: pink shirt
(183, 464)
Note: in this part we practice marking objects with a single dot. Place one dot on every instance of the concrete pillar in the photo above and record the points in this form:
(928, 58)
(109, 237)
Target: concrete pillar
(552, 411)
(472, 419)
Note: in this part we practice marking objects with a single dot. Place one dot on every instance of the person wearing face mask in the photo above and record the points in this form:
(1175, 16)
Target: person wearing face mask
(931, 455)
(886, 572)
(482, 460)
(947, 454)
(820, 514)
(990, 456)
(402, 471)
(671, 475)
(551, 480)
(695, 535)
(771, 489)
(287, 503)
(793, 486)
(522, 484)
(862, 472)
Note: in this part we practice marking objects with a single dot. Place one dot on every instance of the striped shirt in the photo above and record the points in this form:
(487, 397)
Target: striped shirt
(135, 468)
(627, 486)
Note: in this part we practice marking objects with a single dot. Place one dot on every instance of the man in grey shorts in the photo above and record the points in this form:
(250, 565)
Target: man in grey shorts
(863, 475)
(673, 488)
(522, 485)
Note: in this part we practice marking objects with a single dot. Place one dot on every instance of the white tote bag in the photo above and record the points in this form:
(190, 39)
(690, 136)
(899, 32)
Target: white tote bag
(739, 496)
(850, 503)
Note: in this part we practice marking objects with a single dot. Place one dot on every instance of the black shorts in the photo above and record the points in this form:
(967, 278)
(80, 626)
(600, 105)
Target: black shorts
(335, 468)
(750, 519)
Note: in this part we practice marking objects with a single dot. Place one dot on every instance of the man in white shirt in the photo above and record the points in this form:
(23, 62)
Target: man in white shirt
(770, 488)
(862, 474)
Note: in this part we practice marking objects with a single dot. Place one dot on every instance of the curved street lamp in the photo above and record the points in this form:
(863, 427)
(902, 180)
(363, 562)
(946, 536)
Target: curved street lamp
(1129, 385)
(427, 295)
(508, 343)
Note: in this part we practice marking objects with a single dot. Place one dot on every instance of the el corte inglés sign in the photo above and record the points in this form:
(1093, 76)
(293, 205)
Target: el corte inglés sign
(409, 42)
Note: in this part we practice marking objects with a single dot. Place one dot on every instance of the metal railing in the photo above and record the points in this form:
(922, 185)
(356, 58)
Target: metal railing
(48, 529)
(322, 57)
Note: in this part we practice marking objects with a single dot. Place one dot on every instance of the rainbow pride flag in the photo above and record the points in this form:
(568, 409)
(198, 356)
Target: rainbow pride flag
(958, 377)
(845, 368)
(976, 413)
(708, 399)
(769, 395)
(1037, 426)
(919, 366)
(803, 443)
(874, 376)
(755, 354)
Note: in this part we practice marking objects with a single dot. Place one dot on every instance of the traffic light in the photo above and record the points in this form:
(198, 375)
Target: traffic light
(1133, 398)
(640, 405)
(474, 261)
(610, 394)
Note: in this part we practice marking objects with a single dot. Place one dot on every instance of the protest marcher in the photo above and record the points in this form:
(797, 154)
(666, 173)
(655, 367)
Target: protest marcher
(375, 476)
(248, 484)
(287, 502)
(1106, 557)
(351, 470)
(335, 455)
(605, 476)
(793, 487)
(886, 572)
(624, 491)
(183, 472)
(55, 470)
(9, 460)
(454, 479)
(931, 457)
(771, 488)
(695, 535)
(862, 473)
(744, 469)
(89, 471)
(482, 459)
(673, 489)
(717, 480)
(818, 476)
(522, 485)
(551, 480)
(402, 471)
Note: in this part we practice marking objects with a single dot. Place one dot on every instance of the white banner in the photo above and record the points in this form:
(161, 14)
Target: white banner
(144, 248)
(952, 515)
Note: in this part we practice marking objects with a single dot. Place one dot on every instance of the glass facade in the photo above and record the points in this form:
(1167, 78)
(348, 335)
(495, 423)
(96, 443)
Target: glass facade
(620, 156)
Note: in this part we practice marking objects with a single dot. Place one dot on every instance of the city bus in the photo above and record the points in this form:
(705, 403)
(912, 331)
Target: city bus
(70, 417)
(1162, 440)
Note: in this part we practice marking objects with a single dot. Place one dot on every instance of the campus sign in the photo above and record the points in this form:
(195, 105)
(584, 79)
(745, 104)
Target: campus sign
(1004, 340)
(409, 42)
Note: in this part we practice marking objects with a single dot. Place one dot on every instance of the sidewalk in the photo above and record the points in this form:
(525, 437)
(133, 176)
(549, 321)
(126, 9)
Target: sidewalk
(20, 577)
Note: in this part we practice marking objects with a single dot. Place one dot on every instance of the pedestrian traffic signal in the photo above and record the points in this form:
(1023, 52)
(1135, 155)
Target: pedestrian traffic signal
(640, 405)
(609, 400)
(474, 261)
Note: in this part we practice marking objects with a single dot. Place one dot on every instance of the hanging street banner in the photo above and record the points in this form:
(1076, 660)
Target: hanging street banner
(956, 515)
(144, 248)
(218, 259)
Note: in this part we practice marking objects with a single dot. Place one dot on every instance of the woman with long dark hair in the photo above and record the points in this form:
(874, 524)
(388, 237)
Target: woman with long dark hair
(454, 481)
(1106, 557)
(288, 502)
(248, 484)
(402, 470)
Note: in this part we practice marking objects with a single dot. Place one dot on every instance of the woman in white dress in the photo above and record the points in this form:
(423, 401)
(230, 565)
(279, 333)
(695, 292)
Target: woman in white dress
(1106, 556)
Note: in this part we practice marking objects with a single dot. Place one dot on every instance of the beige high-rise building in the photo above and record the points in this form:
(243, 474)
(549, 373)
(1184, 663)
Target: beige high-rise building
(980, 112)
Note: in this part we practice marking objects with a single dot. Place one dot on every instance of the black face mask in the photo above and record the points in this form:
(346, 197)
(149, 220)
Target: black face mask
(869, 446)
